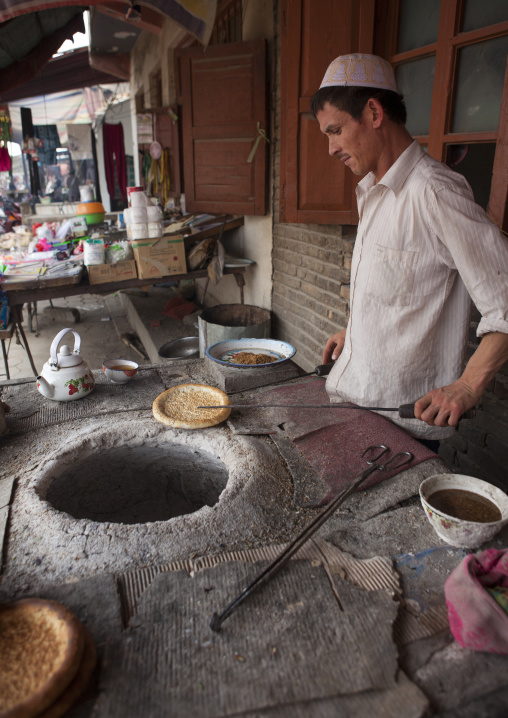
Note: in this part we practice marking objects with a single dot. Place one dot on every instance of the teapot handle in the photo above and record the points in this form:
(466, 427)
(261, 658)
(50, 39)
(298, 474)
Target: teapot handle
(53, 360)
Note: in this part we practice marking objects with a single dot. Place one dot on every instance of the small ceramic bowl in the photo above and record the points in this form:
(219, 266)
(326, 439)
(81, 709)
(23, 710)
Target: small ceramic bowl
(455, 531)
(119, 371)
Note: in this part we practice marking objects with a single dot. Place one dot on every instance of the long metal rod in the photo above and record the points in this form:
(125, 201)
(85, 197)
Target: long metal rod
(405, 411)
(284, 556)
(299, 406)
(281, 560)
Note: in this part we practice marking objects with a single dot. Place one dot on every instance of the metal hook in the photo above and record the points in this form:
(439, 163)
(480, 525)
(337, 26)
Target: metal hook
(390, 466)
(383, 448)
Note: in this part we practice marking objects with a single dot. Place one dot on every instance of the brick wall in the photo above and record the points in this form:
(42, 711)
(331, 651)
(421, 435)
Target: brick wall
(480, 446)
(311, 272)
(310, 302)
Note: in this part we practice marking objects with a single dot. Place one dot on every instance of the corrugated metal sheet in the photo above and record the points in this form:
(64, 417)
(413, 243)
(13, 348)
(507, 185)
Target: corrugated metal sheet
(369, 574)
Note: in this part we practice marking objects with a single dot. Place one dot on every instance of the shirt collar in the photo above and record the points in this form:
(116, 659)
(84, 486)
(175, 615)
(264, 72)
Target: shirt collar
(398, 173)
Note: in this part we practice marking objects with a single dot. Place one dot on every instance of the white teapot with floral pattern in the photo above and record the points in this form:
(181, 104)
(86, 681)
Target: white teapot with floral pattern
(65, 376)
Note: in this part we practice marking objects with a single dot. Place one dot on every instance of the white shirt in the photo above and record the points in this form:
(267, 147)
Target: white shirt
(423, 246)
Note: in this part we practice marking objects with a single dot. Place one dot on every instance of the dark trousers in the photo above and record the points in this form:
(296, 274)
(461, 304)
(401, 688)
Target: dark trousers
(432, 444)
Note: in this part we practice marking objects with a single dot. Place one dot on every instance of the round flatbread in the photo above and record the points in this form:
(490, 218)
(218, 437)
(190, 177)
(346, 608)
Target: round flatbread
(77, 686)
(41, 648)
(178, 406)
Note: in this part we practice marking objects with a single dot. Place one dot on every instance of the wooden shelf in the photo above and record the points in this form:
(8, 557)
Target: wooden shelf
(43, 287)
(39, 290)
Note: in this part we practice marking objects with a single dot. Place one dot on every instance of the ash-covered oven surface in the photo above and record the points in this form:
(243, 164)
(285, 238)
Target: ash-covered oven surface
(146, 589)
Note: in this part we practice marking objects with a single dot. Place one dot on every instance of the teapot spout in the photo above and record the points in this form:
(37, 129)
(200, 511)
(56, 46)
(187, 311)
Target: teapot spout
(46, 389)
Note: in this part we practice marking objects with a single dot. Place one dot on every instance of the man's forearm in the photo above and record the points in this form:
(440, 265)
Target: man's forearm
(444, 406)
(486, 361)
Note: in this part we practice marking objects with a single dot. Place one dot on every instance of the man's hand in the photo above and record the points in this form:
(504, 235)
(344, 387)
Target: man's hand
(334, 347)
(445, 406)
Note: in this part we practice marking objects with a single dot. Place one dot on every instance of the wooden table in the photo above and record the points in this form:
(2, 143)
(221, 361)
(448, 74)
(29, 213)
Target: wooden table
(43, 287)
(39, 289)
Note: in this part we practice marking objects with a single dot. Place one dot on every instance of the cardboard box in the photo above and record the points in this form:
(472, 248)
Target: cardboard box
(103, 273)
(160, 257)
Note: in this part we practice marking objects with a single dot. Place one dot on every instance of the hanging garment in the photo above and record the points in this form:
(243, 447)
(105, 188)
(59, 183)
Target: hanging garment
(114, 158)
(5, 160)
(49, 136)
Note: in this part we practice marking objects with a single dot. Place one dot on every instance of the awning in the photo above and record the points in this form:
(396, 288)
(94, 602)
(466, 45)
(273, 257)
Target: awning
(27, 43)
(195, 16)
(71, 71)
(31, 32)
(61, 108)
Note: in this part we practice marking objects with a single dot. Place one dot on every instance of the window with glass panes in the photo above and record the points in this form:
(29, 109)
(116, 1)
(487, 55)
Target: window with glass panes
(450, 59)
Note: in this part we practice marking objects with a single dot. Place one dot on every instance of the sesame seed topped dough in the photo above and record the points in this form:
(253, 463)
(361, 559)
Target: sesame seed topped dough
(178, 406)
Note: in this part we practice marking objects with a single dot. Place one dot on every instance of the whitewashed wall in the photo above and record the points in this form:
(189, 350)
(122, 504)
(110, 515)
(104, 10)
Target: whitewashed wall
(254, 240)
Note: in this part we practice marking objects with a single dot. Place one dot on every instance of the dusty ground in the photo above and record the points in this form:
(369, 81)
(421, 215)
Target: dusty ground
(99, 338)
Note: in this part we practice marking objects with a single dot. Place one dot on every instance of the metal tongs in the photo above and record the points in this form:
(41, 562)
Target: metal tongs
(395, 462)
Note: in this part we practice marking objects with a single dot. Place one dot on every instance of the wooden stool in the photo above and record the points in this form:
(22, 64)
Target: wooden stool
(16, 325)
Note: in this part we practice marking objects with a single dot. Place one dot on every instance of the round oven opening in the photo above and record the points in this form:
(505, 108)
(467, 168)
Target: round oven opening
(139, 484)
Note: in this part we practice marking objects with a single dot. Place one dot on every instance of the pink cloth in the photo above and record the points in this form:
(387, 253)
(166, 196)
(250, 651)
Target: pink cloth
(5, 160)
(477, 621)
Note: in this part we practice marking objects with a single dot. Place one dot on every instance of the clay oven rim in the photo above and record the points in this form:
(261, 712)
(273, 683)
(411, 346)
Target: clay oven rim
(76, 547)
(137, 433)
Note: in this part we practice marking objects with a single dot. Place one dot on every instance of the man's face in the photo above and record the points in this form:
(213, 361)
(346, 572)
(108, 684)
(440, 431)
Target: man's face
(352, 142)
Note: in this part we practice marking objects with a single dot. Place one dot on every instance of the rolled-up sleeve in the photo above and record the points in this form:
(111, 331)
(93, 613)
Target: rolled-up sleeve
(478, 249)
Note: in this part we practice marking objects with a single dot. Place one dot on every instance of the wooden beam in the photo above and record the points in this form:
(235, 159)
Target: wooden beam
(118, 65)
(444, 74)
(151, 20)
(18, 73)
(67, 72)
(498, 202)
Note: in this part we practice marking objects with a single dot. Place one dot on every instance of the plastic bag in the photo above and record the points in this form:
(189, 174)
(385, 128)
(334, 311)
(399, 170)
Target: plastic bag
(118, 252)
(93, 252)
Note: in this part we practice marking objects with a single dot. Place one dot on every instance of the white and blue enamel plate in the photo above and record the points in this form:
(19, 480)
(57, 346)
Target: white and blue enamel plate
(225, 352)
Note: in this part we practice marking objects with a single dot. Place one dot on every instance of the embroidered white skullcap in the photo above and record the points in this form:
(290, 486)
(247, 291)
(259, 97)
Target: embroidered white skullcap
(360, 70)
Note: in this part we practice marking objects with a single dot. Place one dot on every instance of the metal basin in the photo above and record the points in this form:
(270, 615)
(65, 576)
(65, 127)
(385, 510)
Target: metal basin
(184, 348)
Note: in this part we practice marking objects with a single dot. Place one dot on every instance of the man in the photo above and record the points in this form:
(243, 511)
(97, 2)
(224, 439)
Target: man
(423, 246)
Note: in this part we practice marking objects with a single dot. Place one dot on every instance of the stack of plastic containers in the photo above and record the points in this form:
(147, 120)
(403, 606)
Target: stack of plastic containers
(154, 215)
(142, 218)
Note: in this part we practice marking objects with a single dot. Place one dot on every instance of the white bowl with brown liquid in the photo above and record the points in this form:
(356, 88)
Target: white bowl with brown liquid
(119, 371)
(464, 511)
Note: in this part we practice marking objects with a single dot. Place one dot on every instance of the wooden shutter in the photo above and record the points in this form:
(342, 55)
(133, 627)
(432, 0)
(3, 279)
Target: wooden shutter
(314, 187)
(223, 93)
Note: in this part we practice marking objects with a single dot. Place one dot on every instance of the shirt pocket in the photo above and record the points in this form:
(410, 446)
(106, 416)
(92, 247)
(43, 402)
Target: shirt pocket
(392, 275)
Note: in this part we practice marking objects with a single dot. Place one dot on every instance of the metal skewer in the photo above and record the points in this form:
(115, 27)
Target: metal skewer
(281, 560)
(405, 411)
